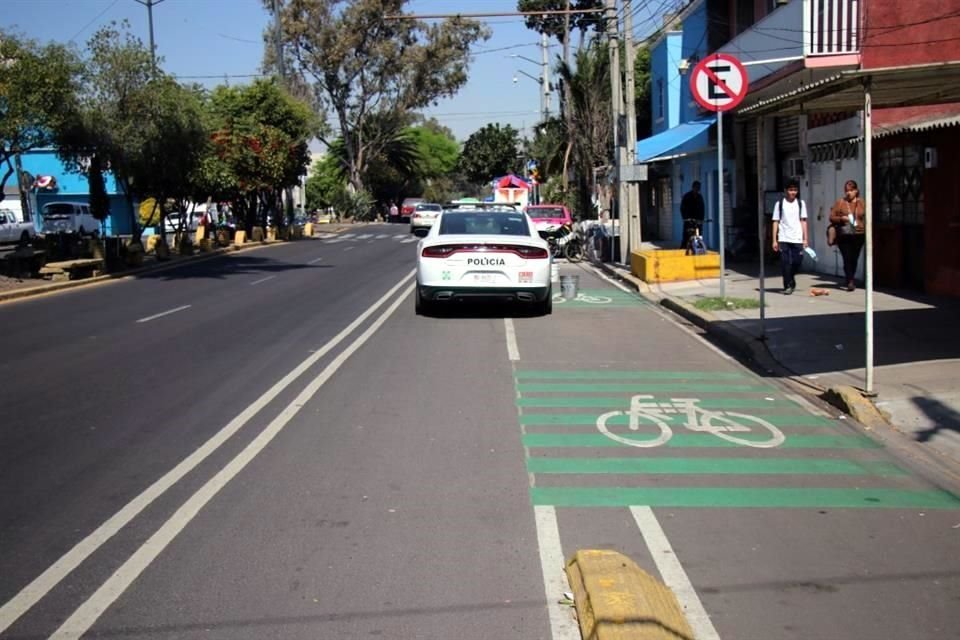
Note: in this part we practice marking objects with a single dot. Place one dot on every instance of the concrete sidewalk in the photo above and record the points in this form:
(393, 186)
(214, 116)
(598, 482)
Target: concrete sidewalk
(821, 340)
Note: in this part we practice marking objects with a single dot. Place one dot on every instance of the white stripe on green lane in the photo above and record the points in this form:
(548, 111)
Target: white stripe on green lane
(590, 419)
(748, 497)
(712, 466)
(639, 387)
(626, 375)
(623, 402)
(699, 440)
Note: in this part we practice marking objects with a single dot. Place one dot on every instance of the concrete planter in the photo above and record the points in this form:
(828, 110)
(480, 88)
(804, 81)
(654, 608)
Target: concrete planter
(671, 265)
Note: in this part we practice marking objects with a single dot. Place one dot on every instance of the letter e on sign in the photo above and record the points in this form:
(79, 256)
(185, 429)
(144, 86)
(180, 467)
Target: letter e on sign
(719, 82)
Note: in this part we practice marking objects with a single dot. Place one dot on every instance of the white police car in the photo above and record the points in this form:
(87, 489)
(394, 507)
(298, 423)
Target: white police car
(483, 251)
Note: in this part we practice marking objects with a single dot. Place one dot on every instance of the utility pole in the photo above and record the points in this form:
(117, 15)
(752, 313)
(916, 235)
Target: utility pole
(613, 42)
(545, 76)
(282, 73)
(153, 49)
(630, 97)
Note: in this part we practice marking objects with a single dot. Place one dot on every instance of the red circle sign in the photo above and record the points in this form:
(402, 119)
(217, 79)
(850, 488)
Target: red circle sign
(719, 82)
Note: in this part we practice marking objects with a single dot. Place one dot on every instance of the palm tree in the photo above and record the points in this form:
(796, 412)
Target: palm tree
(589, 118)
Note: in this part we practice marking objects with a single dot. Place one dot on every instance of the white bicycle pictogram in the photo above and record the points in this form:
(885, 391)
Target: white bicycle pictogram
(582, 297)
(644, 410)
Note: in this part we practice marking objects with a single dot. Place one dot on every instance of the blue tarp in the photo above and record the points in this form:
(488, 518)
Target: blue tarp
(664, 142)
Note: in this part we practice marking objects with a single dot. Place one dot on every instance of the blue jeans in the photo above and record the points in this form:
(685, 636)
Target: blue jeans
(791, 257)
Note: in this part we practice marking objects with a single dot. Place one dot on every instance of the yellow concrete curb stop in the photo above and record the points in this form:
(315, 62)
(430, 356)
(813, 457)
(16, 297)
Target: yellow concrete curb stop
(617, 600)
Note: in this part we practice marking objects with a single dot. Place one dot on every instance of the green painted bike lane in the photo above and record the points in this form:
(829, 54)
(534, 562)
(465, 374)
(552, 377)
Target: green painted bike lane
(574, 464)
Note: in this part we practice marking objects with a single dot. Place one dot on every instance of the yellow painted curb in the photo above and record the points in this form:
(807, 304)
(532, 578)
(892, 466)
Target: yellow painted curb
(617, 600)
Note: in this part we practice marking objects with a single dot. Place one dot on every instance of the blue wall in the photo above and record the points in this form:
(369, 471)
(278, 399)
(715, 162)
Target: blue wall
(694, 45)
(665, 76)
(74, 187)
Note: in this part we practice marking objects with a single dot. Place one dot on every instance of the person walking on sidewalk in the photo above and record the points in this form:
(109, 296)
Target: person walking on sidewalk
(848, 217)
(790, 234)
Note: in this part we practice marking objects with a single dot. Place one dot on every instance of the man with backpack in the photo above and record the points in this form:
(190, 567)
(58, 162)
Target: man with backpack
(790, 234)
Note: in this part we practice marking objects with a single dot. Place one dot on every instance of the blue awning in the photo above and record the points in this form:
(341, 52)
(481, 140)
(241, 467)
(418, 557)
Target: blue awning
(666, 141)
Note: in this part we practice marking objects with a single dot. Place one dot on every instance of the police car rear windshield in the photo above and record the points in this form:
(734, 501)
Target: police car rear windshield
(495, 223)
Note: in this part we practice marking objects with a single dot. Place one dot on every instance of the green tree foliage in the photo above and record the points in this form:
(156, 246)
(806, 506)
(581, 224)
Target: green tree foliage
(324, 182)
(259, 146)
(362, 66)
(99, 201)
(641, 83)
(438, 152)
(38, 87)
(555, 25)
(115, 107)
(490, 152)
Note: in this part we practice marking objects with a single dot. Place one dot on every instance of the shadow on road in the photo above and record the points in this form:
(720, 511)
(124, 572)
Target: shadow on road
(221, 267)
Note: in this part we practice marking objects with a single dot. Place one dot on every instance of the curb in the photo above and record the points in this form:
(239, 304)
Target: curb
(616, 599)
(30, 292)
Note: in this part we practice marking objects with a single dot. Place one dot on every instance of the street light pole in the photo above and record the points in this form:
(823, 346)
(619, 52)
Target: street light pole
(153, 49)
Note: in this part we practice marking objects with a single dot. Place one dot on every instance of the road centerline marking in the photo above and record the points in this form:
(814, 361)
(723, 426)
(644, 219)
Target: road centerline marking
(673, 574)
(262, 280)
(315, 260)
(90, 611)
(164, 313)
(38, 588)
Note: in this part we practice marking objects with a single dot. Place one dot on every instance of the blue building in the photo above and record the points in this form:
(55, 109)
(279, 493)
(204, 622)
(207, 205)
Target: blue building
(682, 149)
(68, 186)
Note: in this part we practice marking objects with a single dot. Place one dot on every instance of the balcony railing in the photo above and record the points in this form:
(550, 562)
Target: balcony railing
(831, 27)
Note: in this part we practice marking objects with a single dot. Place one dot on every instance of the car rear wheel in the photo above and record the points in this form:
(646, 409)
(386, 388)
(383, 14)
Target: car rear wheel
(24, 238)
(545, 306)
(422, 306)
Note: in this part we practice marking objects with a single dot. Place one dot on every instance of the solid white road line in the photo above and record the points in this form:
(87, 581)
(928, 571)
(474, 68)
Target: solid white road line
(562, 624)
(673, 574)
(262, 280)
(315, 261)
(409, 240)
(88, 613)
(53, 575)
(512, 351)
(165, 313)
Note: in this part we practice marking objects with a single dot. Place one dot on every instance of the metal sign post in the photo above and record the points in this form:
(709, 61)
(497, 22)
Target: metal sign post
(719, 83)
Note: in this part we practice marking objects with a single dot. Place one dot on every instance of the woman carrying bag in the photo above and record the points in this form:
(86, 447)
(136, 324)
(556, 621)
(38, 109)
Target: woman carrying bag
(847, 218)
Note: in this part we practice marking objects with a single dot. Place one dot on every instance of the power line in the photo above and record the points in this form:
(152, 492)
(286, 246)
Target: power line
(99, 15)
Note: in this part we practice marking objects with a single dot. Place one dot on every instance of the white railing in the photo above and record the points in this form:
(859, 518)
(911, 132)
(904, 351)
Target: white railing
(831, 27)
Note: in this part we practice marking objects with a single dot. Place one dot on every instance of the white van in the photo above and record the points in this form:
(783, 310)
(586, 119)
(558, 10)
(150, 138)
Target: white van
(69, 217)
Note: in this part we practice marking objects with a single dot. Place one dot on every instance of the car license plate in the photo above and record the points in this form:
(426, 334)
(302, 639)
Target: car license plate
(484, 277)
(526, 276)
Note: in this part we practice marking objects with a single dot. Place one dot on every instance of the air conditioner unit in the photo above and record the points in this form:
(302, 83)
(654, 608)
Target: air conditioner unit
(795, 167)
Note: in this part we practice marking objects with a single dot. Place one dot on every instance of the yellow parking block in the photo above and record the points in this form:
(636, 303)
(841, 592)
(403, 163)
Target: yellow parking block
(617, 600)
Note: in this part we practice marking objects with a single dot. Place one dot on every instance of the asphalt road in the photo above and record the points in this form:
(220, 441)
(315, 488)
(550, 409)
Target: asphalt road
(272, 445)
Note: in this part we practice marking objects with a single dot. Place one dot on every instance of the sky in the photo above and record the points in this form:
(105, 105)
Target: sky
(217, 41)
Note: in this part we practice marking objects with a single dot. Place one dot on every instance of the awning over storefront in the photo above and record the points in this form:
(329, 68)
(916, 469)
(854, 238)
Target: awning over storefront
(653, 148)
(906, 86)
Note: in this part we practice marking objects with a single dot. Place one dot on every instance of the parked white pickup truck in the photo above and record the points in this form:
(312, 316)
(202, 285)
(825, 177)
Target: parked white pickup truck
(12, 230)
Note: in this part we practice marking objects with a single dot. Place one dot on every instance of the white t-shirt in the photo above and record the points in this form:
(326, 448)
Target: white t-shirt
(789, 219)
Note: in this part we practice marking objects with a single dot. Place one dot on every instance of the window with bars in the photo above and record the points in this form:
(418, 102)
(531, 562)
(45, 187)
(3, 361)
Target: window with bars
(899, 186)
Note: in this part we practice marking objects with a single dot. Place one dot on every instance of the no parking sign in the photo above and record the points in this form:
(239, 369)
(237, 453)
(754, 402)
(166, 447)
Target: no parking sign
(719, 82)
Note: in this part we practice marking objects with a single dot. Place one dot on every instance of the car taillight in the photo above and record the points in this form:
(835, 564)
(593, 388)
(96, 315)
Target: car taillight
(441, 251)
(531, 252)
